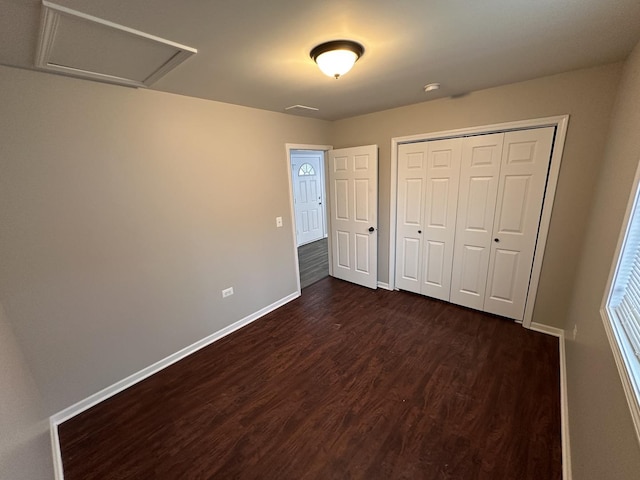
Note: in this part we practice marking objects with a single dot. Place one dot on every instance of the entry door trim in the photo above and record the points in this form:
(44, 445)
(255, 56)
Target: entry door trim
(292, 213)
(560, 122)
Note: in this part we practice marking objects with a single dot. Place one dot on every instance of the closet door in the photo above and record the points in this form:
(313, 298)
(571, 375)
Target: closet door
(440, 206)
(523, 176)
(479, 176)
(412, 163)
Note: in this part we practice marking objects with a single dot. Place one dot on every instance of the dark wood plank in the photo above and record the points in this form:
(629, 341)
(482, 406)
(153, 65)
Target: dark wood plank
(343, 383)
(313, 259)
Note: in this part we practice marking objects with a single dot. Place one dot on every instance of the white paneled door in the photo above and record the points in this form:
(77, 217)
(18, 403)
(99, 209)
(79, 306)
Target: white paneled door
(412, 167)
(308, 187)
(476, 206)
(353, 190)
(427, 200)
(443, 172)
(523, 177)
(468, 216)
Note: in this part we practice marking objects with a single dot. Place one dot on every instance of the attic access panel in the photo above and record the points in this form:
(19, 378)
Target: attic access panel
(80, 45)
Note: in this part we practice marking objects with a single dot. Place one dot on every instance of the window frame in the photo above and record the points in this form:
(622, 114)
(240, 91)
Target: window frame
(627, 363)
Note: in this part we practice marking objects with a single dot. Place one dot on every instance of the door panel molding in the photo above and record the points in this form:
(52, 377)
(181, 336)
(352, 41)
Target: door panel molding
(560, 123)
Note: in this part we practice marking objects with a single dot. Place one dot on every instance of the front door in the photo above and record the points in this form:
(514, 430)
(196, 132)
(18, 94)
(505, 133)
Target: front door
(353, 189)
(307, 179)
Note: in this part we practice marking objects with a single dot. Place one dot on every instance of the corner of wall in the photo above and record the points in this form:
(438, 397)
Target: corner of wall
(24, 443)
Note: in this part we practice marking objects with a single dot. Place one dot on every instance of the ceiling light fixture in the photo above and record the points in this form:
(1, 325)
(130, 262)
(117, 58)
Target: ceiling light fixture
(431, 87)
(337, 57)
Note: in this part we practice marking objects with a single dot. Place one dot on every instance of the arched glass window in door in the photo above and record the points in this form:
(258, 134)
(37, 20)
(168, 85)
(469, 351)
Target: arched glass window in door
(306, 170)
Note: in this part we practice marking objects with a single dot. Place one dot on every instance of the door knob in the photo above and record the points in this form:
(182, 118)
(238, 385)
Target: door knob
(496, 240)
(371, 229)
(419, 231)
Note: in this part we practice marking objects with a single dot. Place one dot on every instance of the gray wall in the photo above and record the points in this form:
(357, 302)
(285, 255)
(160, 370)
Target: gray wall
(587, 95)
(603, 442)
(124, 214)
(25, 453)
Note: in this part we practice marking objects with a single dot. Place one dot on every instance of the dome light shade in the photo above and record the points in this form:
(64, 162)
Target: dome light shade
(336, 58)
(336, 62)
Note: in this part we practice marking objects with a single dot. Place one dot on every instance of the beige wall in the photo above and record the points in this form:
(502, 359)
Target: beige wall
(124, 214)
(586, 95)
(25, 453)
(604, 444)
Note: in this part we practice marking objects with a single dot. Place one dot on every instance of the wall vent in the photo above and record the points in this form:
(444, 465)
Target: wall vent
(74, 43)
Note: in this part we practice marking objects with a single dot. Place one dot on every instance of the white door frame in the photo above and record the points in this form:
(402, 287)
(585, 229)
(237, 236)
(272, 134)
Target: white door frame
(560, 122)
(292, 213)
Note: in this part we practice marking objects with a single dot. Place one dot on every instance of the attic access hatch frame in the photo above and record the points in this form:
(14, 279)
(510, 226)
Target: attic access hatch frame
(168, 54)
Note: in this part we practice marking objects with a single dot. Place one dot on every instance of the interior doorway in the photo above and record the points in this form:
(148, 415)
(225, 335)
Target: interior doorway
(346, 202)
(308, 191)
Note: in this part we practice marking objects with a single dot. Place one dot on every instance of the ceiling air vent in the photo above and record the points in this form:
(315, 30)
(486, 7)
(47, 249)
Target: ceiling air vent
(80, 45)
(300, 109)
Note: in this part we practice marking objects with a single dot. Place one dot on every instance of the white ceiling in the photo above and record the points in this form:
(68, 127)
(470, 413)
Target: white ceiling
(256, 52)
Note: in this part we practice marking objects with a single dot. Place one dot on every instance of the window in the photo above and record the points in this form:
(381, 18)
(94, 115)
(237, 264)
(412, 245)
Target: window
(621, 305)
(306, 169)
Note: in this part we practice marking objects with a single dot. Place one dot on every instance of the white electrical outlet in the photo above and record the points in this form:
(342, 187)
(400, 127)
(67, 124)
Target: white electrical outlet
(278, 222)
(227, 292)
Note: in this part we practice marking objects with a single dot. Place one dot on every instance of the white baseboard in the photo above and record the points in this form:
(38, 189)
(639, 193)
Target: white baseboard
(564, 412)
(384, 286)
(58, 471)
(564, 401)
(542, 328)
(131, 380)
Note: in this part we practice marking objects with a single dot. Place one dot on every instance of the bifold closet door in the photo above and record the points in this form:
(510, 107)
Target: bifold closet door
(428, 175)
(412, 165)
(479, 177)
(440, 206)
(468, 216)
(523, 177)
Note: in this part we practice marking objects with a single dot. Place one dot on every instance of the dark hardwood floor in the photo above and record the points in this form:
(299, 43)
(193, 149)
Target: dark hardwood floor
(342, 383)
(313, 259)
